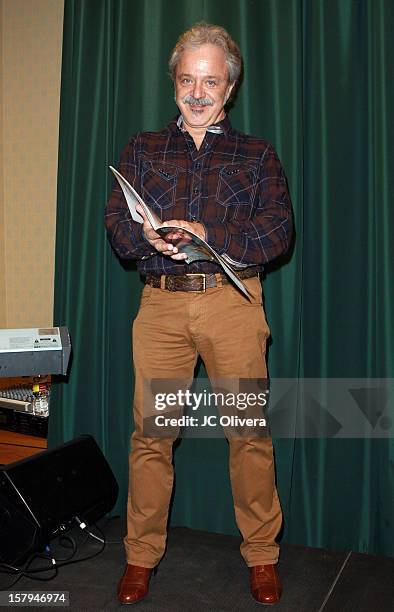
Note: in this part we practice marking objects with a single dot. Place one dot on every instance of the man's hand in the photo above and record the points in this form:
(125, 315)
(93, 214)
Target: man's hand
(191, 226)
(163, 247)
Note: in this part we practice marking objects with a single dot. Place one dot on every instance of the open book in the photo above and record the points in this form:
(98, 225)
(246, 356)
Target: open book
(186, 242)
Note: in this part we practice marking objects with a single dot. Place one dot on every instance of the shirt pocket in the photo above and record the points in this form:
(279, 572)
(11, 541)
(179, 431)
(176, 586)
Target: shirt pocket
(158, 184)
(236, 191)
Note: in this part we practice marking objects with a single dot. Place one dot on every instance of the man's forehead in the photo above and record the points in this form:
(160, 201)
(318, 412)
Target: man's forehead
(207, 57)
(189, 74)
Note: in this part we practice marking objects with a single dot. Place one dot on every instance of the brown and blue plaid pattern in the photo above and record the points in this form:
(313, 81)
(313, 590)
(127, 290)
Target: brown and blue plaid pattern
(234, 184)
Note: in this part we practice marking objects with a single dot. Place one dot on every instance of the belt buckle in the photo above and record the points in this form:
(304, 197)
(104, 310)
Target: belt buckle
(204, 285)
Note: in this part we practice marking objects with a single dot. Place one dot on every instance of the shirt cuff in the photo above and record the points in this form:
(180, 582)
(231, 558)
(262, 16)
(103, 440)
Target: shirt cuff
(142, 247)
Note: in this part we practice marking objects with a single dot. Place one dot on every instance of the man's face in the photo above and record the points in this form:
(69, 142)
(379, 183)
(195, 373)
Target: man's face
(201, 85)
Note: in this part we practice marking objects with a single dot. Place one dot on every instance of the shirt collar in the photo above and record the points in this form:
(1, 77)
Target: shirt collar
(221, 127)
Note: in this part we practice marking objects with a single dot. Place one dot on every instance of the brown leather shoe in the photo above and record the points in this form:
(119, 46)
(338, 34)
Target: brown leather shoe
(265, 584)
(134, 584)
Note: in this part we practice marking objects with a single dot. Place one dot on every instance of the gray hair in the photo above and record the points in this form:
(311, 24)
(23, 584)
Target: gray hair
(202, 33)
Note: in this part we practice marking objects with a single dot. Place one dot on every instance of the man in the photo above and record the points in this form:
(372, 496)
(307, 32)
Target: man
(228, 188)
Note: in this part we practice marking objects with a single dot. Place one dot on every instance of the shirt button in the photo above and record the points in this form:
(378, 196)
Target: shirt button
(195, 190)
(198, 166)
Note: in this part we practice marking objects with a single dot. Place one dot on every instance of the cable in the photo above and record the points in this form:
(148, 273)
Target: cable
(55, 568)
(7, 588)
(71, 562)
(96, 537)
(102, 539)
(24, 574)
(83, 526)
(74, 547)
(108, 519)
(30, 573)
(10, 568)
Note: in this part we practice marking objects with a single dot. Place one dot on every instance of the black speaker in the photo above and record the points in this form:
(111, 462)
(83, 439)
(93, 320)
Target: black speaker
(41, 496)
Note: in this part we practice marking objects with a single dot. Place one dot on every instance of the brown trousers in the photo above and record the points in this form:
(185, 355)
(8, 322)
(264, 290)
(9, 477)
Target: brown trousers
(229, 333)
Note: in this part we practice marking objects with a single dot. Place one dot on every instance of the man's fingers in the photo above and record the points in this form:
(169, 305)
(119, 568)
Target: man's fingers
(175, 235)
(170, 250)
(160, 244)
(190, 226)
(179, 256)
(150, 233)
(139, 209)
(176, 223)
(164, 247)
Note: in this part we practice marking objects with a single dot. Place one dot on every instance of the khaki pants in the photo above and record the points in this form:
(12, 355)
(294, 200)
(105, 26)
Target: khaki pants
(229, 333)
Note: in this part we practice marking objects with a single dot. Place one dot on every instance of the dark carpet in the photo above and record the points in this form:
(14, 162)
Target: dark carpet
(205, 572)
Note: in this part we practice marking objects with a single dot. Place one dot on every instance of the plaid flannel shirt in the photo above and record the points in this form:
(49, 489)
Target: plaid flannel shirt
(234, 184)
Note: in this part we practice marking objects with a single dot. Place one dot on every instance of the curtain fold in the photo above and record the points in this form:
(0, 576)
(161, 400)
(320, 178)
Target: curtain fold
(316, 84)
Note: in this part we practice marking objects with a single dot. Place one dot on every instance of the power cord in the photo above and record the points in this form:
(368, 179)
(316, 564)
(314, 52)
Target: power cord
(56, 564)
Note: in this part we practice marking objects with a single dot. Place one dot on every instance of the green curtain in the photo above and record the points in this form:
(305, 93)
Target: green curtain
(317, 86)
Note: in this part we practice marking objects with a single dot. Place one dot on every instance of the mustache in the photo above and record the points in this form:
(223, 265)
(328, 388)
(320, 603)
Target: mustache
(189, 99)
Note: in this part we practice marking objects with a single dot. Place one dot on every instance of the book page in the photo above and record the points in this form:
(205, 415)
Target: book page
(132, 199)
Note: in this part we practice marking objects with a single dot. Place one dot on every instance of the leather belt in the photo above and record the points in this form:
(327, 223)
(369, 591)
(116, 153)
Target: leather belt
(196, 283)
